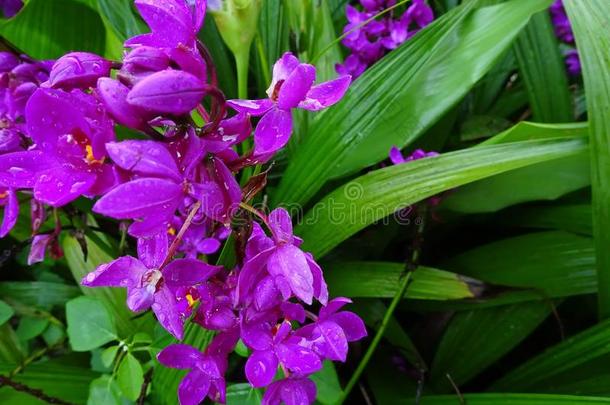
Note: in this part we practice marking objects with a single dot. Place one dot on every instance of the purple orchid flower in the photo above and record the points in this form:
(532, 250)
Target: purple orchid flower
(272, 347)
(158, 188)
(70, 131)
(333, 330)
(291, 87)
(290, 391)
(147, 285)
(279, 267)
(205, 378)
(563, 31)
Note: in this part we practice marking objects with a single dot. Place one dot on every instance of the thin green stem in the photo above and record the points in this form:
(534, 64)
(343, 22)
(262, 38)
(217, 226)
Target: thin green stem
(242, 60)
(362, 24)
(404, 283)
(263, 57)
(411, 265)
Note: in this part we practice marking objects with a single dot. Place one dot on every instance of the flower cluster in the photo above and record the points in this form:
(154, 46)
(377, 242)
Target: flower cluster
(563, 31)
(177, 187)
(369, 39)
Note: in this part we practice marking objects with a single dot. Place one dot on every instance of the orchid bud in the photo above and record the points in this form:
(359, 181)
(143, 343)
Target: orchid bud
(78, 69)
(236, 21)
(168, 92)
(38, 214)
(114, 97)
(145, 58)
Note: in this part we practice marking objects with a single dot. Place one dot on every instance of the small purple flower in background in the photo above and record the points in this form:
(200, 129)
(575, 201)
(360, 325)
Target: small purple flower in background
(563, 31)
(370, 42)
(397, 158)
(10, 7)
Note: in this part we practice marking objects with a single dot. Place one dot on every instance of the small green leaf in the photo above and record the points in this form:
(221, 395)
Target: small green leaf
(243, 394)
(90, 325)
(108, 355)
(53, 334)
(6, 312)
(42, 294)
(141, 338)
(327, 384)
(104, 391)
(30, 327)
(130, 377)
(241, 349)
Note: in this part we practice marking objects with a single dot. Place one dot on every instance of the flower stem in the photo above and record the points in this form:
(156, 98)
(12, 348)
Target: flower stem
(174, 246)
(411, 265)
(242, 59)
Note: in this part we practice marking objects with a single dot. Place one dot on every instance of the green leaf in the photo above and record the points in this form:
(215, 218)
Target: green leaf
(401, 96)
(529, 131)
(30, 327)
(380, 279)
(577, 350)
(543, 70)
(243, 394)
(48, 29)
(590, 21)
(10, 348)
(382, 192)
(273, 30)
(41, 294)
(327, 384)
(130, 377)
(514, 399)
(113, 298)
(53, 334)
(6, 312)
(482, 336)
(104, 391)
(543, 181)
(121, 18)
(555, 263)
(90, 325)
(108, 355)
(572, 218)
(67, 382)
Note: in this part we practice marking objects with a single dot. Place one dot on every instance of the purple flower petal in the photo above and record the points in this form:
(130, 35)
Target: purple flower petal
(261, 367)
(352, 325)
(61, 185)
(168, 92)
(152, 251)
(326, 94)
(293, 312)
(144, 157)
(396, 156)
(333, 306)
(164, 307)
(223, 193)
(252, 107)
(198, 12)
(193, 388)
(140, 198)
(140, 298)
(189, 61)
(296, 86)
(281, 225)
(170, 20)
(146, 58)
(256, 336)
(78, 69)
(188, 272)
(320, 289)
(11, 211)
(298, 359)
(8, 61)
(40, 243)
(290, 262)
(266, 294)
(18, 169)
(281, 70)
(125, 271)
(335, 342)
(272, 132)
(180, 356)
(114, 97)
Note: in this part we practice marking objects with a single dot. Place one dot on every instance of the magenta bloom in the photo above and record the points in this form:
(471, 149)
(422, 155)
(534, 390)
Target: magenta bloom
(397, 158)
(78, 70)
(333, 330)
(70, 131)
(205, 378)
(291, 87)
(279, 267)
(290, 391)
(148, 286)
(271, 349)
